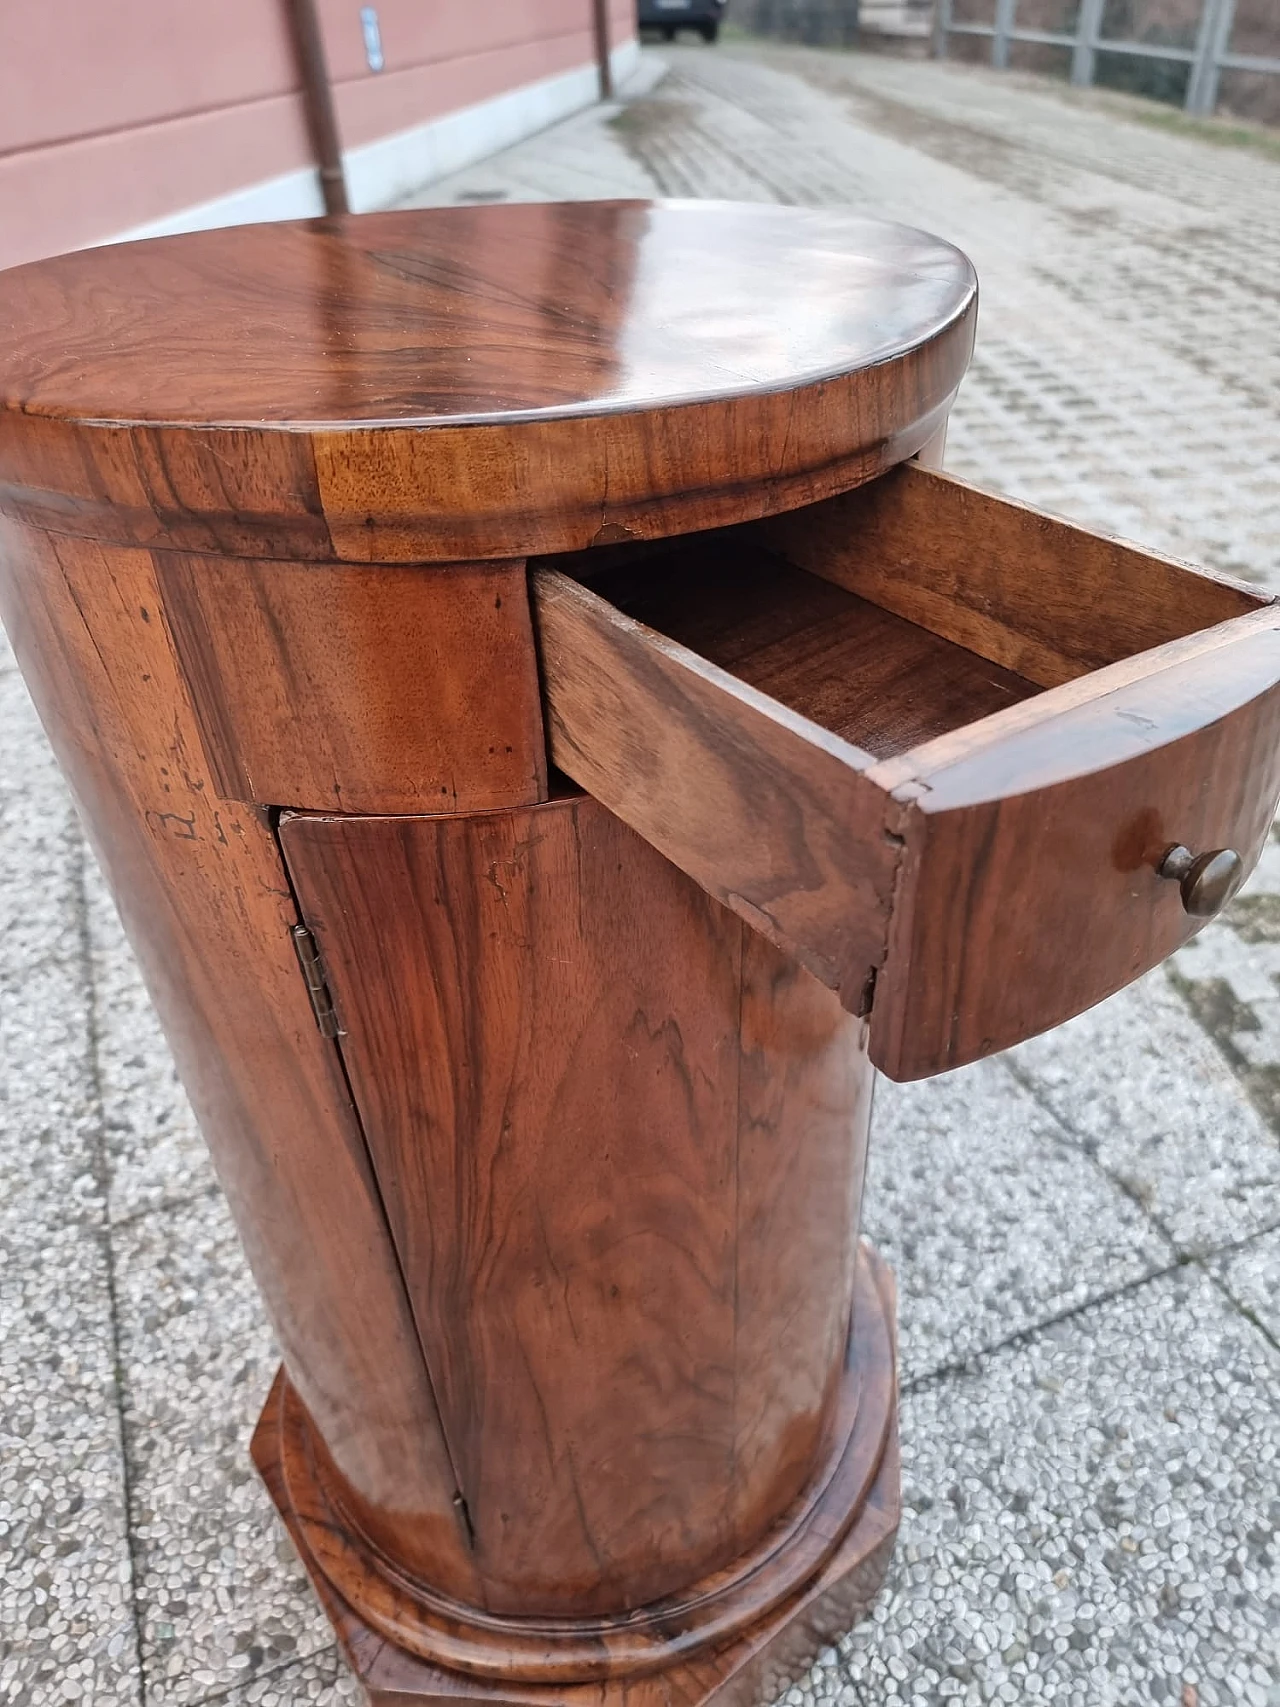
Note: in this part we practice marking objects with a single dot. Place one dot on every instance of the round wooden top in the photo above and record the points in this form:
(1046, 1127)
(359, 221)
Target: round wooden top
(483, 381)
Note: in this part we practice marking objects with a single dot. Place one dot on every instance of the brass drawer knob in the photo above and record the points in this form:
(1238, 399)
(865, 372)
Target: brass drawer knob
(1207, 880)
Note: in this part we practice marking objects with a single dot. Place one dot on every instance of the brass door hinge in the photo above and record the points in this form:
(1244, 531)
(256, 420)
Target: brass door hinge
(308, 953)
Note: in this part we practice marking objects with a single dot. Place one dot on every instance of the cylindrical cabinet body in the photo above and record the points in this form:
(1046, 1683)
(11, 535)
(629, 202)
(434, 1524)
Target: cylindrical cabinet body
(330, 551)
(546, 1152)
(620, 1141)
(559, 1231)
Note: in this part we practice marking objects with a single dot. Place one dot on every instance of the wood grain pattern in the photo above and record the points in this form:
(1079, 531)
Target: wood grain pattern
(462, 383)
(876, 681)
(601, 1115)
(204, 898)
(804, 1110)
(1030, 889)
(969, 890)
(354, 689)
(1041, 597)
(589, 1398)
(246, 493)
(693, 1652)
(768, 812)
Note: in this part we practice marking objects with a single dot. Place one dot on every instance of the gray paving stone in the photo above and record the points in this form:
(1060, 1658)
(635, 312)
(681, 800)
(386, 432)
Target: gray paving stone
(992, 1222)
(1092, 1519)
(66, 1623)
(1147, 1093)
(1250, 1275)
(321, 1680)
(220, 1591)
(47, 1115)
(823, 1685)
(156, 1153)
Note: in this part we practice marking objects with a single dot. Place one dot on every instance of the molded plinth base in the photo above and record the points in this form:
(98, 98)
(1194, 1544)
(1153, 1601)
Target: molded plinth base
(751, 1667)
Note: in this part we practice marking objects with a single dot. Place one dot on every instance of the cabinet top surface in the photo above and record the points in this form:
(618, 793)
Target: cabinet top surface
(469, 315)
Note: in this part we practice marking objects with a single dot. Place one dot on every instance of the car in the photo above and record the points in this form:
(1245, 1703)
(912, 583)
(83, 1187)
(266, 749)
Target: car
(669, 16)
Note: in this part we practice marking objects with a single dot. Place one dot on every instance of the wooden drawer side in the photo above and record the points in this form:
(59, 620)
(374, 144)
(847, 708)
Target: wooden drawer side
(768, 812)
(1043, 597)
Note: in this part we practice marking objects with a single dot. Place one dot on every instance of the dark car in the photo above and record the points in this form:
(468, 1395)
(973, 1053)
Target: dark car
(668, 16)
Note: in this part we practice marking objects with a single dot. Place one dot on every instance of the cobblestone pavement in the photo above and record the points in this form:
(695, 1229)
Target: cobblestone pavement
(1086, 1232)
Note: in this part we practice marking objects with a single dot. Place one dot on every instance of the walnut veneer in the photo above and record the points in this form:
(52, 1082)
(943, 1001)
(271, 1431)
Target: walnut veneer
(547, 737)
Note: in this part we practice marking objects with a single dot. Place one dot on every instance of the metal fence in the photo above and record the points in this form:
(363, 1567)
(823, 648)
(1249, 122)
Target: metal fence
(819, 23)
(1207, 60)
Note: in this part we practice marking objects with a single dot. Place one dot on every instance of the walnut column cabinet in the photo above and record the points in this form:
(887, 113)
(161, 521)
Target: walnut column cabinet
(550, 727)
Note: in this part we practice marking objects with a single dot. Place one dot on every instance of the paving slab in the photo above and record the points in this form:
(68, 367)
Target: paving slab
(321, 1679)
(220, 1592)
(1091, 1518)
(1146, 1092)
(1250, 1276)
(47, 1106)
(993, 1220)
(156, 1154)
(825, 1684)
(66, 1621)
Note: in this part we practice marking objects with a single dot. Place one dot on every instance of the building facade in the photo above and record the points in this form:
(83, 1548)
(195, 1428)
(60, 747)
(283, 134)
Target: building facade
(144, 116)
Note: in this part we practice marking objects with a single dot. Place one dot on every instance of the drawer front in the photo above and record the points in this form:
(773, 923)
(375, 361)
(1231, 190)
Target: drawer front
(966, 854)
(1030, 888)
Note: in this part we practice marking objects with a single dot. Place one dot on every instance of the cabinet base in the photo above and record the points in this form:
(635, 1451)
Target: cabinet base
(750, 1667)
(751, 1671)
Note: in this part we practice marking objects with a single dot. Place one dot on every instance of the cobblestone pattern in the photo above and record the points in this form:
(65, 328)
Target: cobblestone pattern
(1086, 1232)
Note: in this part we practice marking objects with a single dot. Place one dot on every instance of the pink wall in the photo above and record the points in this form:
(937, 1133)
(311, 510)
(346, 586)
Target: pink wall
(115, 114)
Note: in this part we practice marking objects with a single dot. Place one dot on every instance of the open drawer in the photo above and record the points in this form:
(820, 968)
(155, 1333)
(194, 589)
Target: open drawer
(934, 744)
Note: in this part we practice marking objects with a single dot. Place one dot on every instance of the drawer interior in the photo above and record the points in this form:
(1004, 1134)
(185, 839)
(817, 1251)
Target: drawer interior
(878, 681)
(909, 608)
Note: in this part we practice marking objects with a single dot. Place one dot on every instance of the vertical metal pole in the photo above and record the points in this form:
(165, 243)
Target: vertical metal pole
(1212, 42)
(1221, 47)
(600, 24)
(1000, 41)
(1084, 55)
(941, 25)
(317, 99)
(1194, 99)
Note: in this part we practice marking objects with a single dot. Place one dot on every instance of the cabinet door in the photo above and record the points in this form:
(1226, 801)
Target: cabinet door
(604, 1118)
